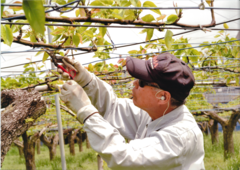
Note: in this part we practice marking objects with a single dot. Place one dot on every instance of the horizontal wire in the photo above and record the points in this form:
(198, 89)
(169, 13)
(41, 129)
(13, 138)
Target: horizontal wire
(143, 42)
(109, 26)
(119, 7)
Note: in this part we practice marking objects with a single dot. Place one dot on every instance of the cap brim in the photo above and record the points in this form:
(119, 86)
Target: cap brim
(137, 68)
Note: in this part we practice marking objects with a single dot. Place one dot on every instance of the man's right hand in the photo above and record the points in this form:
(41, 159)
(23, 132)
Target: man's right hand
(83, 77)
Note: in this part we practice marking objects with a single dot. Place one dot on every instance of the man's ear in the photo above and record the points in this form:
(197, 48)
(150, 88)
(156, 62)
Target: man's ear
(163, 97)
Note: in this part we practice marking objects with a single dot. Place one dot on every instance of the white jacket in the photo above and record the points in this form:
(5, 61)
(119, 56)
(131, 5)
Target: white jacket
(173, 141)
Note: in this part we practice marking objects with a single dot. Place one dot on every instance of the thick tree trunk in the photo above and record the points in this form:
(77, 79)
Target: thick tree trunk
(228, 128)
(87, 142)
(213, 126)
(29, 150)
(203, 127)
(79, 140)
(51, 144)
(19, 105)
(72, 137)
(38, 146)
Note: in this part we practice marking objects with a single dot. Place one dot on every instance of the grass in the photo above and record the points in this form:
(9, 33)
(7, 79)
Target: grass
(87, 160)
(214, 159)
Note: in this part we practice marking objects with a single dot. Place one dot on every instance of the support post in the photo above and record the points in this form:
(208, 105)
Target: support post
(60, 132)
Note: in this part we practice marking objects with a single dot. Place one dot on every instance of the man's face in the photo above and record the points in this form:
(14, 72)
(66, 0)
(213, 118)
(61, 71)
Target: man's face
(144, 97)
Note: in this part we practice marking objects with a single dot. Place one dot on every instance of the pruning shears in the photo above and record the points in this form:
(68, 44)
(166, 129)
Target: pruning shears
(72, 69)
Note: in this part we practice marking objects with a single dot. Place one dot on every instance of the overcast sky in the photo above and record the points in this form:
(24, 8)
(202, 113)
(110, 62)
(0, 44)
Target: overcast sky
(132, 35)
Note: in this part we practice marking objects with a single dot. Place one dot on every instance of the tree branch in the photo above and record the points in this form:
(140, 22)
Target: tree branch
(54, 46)
(118, 21)
(214, 115)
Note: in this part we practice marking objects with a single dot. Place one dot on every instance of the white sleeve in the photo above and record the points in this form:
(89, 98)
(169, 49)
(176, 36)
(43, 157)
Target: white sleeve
(157, 152)
(119, 112)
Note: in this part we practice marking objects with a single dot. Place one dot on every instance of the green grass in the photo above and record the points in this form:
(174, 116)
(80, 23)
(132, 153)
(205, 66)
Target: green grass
(214, 159)
(87, 160)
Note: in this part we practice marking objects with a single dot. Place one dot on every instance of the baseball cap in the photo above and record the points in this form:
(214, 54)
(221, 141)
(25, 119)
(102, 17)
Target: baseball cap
(169, 72)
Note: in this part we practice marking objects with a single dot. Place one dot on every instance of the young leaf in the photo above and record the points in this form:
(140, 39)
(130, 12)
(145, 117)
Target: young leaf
(161, 17)
(16, 8)
(90, 67)
(45, 56)
(129, 14)
(35, 14)
(171, 19)
(97, 3)
(7, 34)
(135, 3)
(209, 2)
(148, 18)
(33, 38)
(77, 12)
(149, 34)
(168, 39)
(216, 36)
(225, 26)
(151, 4)
(76, 40)
(102, 31)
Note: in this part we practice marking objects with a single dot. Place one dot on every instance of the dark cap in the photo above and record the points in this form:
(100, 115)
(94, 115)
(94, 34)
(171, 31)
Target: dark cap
(169, 72)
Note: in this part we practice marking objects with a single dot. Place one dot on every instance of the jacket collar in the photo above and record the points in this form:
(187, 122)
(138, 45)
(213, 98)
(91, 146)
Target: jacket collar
(166, 120)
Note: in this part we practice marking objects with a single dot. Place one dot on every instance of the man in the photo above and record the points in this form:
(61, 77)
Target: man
(163, 133)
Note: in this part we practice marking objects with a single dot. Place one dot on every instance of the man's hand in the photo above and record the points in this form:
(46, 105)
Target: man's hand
(77, 100)
(83, 77)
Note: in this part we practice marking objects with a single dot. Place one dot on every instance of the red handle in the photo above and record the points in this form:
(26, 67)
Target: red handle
(63, 69)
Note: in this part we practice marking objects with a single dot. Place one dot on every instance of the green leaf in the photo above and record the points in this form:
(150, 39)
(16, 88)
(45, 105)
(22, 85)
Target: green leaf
(225, 26)
(133, 52)
(124, 3)
(168, 39)
(82, 29)
(151, 4)
(61, 2)
(39, 52)
(45, 56)
(221, 32)
(97, 3)
(216, 36)
(149, 34)
(2, 7)
(7, 34)
(61, 53)
(77, 12)
(56, 37)
(102, 31)
(32, 38)
(237, 80)
(148, 18)
(135, 3)
(76, 40)
(228, 80)
(35, 14)
(143, 31)
(171, 19)
(90, 67)
(129, 15)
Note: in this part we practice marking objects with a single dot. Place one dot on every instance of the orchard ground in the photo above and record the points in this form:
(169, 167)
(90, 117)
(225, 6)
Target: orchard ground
(87, 160)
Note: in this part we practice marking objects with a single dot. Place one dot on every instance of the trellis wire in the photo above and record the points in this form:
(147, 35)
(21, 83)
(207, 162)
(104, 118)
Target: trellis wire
(109, 26)
(119, 7)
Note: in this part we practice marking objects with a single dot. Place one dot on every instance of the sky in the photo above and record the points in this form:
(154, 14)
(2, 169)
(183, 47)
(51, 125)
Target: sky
(125, 35)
